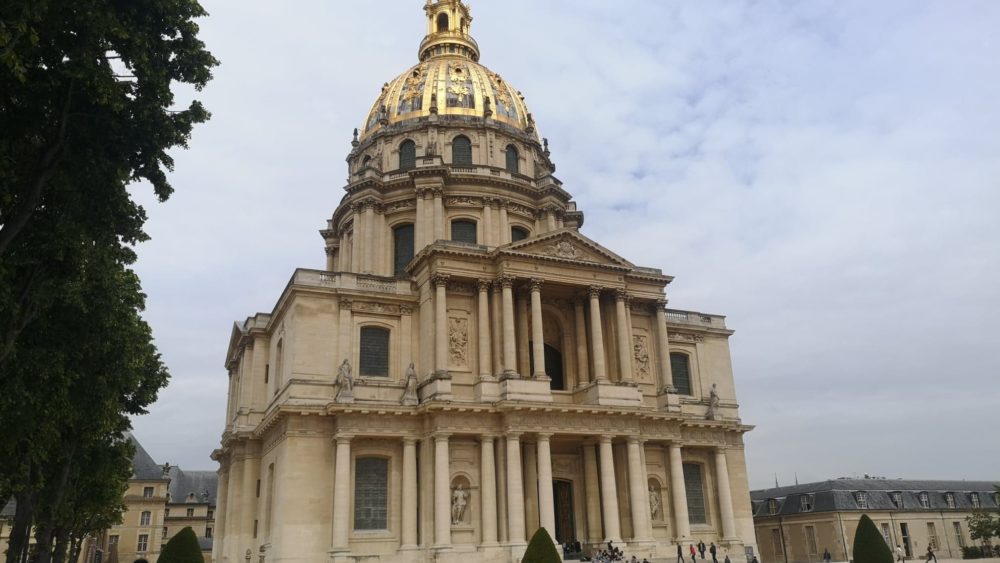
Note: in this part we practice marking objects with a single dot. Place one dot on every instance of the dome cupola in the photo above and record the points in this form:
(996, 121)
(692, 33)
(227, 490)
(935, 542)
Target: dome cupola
(448, 80)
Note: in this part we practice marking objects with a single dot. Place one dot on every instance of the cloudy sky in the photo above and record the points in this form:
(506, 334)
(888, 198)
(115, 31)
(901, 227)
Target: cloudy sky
(824, 173)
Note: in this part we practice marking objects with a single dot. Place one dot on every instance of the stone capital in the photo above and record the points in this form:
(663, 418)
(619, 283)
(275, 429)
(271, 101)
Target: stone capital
(483, 285)
(440, 280)
(594, 291)
(505, 280)
(535, 284)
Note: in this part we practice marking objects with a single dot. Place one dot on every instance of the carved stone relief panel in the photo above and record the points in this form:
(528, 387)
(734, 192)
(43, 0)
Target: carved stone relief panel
(640, 349)
(458, 342)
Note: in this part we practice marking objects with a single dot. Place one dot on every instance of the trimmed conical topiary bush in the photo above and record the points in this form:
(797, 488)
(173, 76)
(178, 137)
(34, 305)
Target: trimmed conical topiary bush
(182, 548)
(541, 549)
(869, 545)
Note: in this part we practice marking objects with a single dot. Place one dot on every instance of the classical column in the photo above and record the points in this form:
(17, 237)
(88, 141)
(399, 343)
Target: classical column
(537, 332)
(341, 494)
(429, 214)
(442, 492)
(440, 282)
(678, 494)
(439, 230)
(496, 329)
(593, 493)
(409, 508)
(624, 346)
(523, 367)
(488, 222)
(725, 495)
(501, 458)
(582, 367)
(597, 334)
(369, 251)
(485, 357)
(663, 348)
(529, 478)
(546, 506)
(509, 355)
(419, 224)
(609, 492)
(488, 490)
(357, 235)
(515, 491)
(504, 224)
(641, 529)
(550, 219)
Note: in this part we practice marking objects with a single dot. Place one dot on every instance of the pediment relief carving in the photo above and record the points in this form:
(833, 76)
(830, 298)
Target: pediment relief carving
(569, 245)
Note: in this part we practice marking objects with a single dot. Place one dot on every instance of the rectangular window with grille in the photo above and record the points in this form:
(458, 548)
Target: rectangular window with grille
(371, 493)
(949, 498)
(374, 350)
(886, 534)
(147, 492)
(190, 512)
(925, 500)
(974, 499)
(681, 370)
(959, 538)
(932, 535)
(112, 540)
(145, 518)
(464, 231)
(897, 499)
(811, 540)
(862, 499)
(806, 503)
(776, 542)
(695, 493)
(402, 249)
(143, 543)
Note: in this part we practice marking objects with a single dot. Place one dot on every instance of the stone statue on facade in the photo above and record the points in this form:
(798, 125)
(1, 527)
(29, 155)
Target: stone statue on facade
(459, 500)
(410, 397)
(713, 404)
(654, 503)
(345, 383)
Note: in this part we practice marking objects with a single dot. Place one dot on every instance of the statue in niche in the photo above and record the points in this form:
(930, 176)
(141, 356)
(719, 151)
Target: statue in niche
(345, 383)
(713, 404)
(459, 500)
(654, 503)
(410, 397)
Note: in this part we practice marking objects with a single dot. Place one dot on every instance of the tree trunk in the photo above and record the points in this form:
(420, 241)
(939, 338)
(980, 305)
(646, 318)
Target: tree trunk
(62, 544)
(43, 543)
(77, 543)
(43, 537)
(20, 530)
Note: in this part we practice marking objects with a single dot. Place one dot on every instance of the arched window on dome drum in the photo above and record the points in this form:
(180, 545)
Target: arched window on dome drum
(517, 233)
(461, 150)
(464, 231)
(680, 367)
(366, 162)
(442, 22)
(407, 155)
(374, 348)
(402, 248)
(513, 160)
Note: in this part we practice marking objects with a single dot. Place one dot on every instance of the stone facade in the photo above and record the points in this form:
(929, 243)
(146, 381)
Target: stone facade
(469, 366)
(796, 524)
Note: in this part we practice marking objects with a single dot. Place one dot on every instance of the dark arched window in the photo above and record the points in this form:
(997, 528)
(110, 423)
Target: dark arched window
(518, 233)
(680, 368)
(402, 249)
(374, 351)
(554, 368)
(461, 150)
(512, 160)
(407, 155)
(366, 161)
(442, 22)
(464, 230)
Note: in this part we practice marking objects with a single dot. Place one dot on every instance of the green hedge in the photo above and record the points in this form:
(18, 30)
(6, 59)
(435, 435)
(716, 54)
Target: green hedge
(541, 549)
(182, 548)
(869, 545)
(980, 552)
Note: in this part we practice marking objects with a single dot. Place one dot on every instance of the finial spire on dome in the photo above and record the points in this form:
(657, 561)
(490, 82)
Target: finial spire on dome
(448, 23)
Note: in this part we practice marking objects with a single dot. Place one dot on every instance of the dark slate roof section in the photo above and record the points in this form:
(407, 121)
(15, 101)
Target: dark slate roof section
(840, 495)
(183, 483)
(8, 509)
(143, 466)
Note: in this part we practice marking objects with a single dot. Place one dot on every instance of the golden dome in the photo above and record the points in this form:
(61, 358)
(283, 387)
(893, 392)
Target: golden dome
(448, 80)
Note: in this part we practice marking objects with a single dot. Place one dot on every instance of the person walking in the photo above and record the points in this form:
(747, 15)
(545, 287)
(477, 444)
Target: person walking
(899, 553)
(726, 560)
(826, 555)
(691, 549)
(930, 554)
(701, 548)
(712, 550)
(680, 554)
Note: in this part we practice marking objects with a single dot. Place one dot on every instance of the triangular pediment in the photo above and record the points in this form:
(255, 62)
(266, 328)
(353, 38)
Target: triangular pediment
(566, 244)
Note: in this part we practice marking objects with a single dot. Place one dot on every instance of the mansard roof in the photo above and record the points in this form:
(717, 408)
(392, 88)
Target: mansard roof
(203, 484)
(841, 495)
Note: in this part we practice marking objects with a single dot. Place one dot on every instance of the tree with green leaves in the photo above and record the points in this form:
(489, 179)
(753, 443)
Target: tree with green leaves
(182, 548)
(869, 545)
(86, 107)
(541, 549)
(984, 524)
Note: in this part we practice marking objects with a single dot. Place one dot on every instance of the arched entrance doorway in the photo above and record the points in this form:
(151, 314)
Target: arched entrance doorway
(562, 496)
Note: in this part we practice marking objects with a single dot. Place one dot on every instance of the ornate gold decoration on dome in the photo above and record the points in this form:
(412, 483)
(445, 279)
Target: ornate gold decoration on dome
(413, 87)
(503, 96)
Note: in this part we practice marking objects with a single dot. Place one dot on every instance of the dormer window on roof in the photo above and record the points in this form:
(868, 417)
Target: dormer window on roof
(897, 499)
(806, 503)
(974, 499)
(772, 506)
(925, 500)
(861, 498)
(949, 499)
